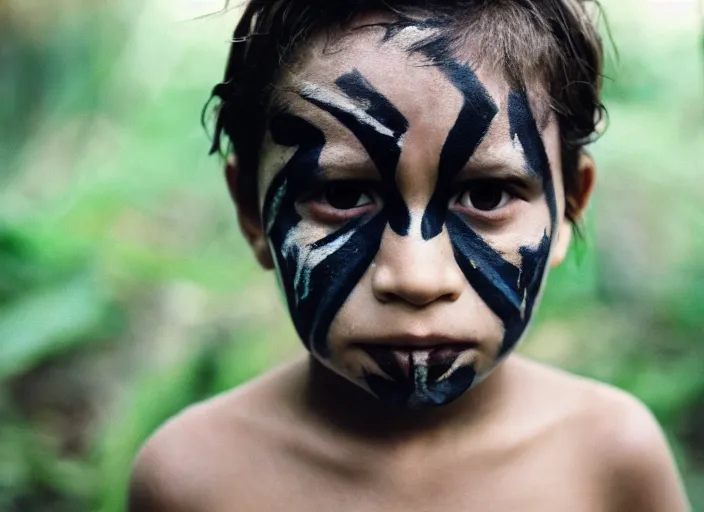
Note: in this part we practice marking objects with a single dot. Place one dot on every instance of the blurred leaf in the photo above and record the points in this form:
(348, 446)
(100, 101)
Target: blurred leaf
(44, 323)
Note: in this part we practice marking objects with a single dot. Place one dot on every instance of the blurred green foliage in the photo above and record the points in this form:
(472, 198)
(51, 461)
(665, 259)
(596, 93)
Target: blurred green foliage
(126, 293)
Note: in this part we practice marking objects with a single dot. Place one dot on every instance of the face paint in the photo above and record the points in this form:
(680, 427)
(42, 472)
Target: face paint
(319, 275)
(419, 378)
(525, 134)
(508, 290)
(380, 129)
(472, 125)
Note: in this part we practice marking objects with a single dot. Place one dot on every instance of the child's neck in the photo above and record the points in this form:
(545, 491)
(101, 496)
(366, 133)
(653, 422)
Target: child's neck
(355, 412)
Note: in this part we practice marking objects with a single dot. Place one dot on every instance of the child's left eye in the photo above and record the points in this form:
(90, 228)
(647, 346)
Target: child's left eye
(484, 196)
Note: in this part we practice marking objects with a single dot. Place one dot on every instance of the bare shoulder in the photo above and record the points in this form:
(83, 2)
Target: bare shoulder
(209, 447)
(621, 436)
(635, 452)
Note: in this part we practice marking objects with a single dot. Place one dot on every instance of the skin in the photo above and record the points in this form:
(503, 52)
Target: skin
(366, 421)
(417, 173)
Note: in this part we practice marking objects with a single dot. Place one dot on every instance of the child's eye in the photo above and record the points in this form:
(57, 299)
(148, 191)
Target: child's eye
(340, 201)
(484, 196)
(346, 197)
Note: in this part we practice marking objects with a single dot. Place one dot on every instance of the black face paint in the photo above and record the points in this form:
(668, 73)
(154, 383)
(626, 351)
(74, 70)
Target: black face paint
(509, 291)
(472, 125)
(314, 292)
(525, 129)
(421, 383)
(383, 146)
(319, 276)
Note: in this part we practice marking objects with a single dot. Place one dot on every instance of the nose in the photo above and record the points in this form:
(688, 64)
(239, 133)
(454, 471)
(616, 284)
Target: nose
(415, 271)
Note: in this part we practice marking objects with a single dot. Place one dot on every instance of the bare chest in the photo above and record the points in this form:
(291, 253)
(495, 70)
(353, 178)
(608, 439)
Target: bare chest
(542, 481)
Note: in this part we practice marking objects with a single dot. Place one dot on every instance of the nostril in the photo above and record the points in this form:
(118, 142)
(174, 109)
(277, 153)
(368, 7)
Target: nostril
(416, 286)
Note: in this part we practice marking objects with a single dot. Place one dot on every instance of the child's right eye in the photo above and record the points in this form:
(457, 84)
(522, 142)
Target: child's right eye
(346, 197)
(339, 201)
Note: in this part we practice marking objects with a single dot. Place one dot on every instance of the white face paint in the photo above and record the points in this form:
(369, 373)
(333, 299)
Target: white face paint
(276, 205)
(413, 34)
(299, 243)
(333, 99)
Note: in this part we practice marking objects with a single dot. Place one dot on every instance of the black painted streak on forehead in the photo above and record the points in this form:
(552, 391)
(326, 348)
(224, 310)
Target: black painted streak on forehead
(477, 113)
(523, 125)
(378, 106)
(384, 149)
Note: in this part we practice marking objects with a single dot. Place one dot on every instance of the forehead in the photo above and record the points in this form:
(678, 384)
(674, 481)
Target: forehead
(388, 65)
(413, 83)
(383, 52)
(408, 79)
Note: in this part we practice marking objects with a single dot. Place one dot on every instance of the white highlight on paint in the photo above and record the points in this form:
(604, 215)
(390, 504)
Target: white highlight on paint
(329, 97)
(464, 359)
(307, 258)
(420, 363)
(416, 224)
(276, 205)
(408, 36)
(518, 146)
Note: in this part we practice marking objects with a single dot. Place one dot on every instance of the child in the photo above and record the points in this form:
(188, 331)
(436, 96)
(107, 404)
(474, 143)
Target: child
(411, 169)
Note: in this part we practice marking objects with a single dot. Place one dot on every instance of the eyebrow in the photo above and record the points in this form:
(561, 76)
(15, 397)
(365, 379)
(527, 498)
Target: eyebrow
(348, 169)
(500, 170)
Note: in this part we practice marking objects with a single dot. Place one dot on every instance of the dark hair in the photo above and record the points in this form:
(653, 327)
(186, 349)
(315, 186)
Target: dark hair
(550, 42)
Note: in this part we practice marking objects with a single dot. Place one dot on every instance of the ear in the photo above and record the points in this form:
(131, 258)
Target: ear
(248, 215)
(586, 176)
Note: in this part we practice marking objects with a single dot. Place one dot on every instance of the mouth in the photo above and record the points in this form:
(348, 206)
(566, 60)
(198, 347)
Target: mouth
(399, 360)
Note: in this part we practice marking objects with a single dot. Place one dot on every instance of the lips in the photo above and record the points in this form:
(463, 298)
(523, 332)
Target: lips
(399, 362)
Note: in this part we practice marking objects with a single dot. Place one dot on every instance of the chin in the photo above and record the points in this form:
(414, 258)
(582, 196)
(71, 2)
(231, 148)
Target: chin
(417, 392)
(413, 376)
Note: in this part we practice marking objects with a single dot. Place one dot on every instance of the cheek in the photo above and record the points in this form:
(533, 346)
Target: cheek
(526, 228)
(299, 246)
(509, 289)
(319, 268)
(304, 236)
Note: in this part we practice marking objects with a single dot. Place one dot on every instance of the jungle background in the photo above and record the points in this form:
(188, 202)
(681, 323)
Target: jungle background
(127, 293)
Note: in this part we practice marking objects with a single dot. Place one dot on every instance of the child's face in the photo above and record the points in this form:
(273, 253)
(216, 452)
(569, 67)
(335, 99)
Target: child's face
(411, 210)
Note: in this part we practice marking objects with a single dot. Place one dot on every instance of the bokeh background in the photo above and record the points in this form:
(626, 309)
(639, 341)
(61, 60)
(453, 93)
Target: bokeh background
(127, 293)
